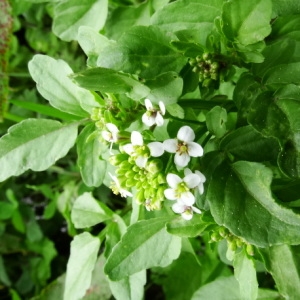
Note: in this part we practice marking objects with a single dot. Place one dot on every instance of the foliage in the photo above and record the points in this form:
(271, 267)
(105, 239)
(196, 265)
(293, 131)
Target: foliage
(167, 149)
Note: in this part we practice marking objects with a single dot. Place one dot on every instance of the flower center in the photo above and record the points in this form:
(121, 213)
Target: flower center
(181, 188)
(182, 148)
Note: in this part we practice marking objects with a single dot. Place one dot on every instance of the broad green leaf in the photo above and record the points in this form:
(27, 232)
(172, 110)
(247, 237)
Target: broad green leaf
(223, 288)
(245, 143)
(277, 115)
(196, 15)
(129, 288)
(247, 22)
(92, 167)
(144, 51)
(84, 250)
(87, 211)
(283, 263)
(286, 7)
(146, 244)
(175, 110)
(241, 200)
(3, 274)
(166, 87)
(286, 26)
(110, 81)
(245, 274)
(191, 228)
(6, 210)
(34, 144)
(70, 15)
(123, 18)
(54, 84)
(216, 120)
(92, 43)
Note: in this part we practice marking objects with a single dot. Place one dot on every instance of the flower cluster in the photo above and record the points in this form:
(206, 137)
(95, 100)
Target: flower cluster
(141, 165)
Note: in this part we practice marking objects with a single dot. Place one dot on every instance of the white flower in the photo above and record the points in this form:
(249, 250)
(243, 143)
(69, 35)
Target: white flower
(139, 151)
(183, 146)
(111, 135)
(201, 177)
(185, 211)
(180, 188)
(153, 116)
(117, 189)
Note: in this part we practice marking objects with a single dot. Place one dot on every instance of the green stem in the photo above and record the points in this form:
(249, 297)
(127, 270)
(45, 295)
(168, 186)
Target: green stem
(206, 104)
(12, 117)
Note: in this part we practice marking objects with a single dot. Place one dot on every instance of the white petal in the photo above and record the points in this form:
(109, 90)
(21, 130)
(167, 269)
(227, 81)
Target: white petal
(136, 138)
(107, 135)
(162, 107)
(187, 198)
(196, 210)
(125, 193)
(186, 134)
(148, 104)
(156, 149)
(201, 188)
(141, 161)
(112, 127)
(173, 180)
(159, 120)
(182, 160)
(194, 149)
(170, 145)
(149, 121)
(202, 177)
(128, 148)
(187, 215)
(192, 180)
(170, 194)
(187, 171)
(178, 208)
(115, 179)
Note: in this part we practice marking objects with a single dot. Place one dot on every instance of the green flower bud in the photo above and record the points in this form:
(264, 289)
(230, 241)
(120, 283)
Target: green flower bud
(250, 249)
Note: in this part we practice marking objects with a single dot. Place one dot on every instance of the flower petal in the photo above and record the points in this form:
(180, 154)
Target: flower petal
(187, 171)
(186, 134)
(202, 177)
(201, 188)
(141, 161)
(128, 148)
(148, 104)
(162, 107)
(182, 160)
(170, 145)
(187, 198)
(148, 120)
(187, 215)
(178, 208)
(112, 127)
(192, 180)
(159, 120)
(170, 194)
(196, 210)
(194, 149)
(156, 149)
(136, 138)
(107, 135)
(173, 180)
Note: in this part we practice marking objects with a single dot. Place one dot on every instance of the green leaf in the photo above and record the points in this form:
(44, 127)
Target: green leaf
(245, 143)
(136, 251)
(34, 144)
(87, 211)
(245, 274)
(283, 263)
(223, 288)
(287, 7)
(196, 15)
(110, 81)
(129, 288)
(277, 114)
(216, 120)
(241, 200)
(3, 274)
(123, 18)
(6, 210)
(54, 84)
(92, 43)
(247, 22)
(84, 250)
(166, 87)
(144, 51)
(175, 110)
(191, 228)
(70, 15)
(92, 167)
